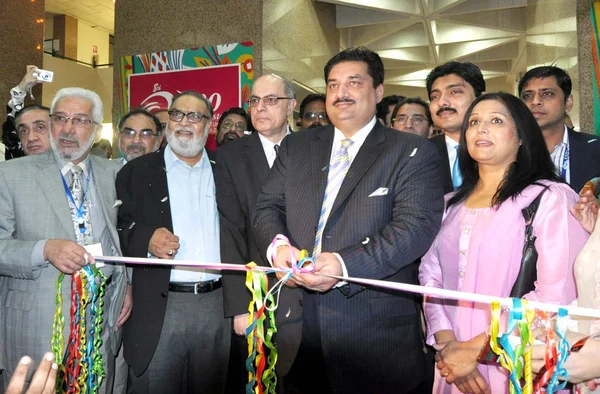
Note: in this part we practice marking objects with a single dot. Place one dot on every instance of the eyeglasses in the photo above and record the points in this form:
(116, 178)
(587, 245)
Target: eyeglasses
(131, 133)
(62, 120)
(193, 117)
(239, 126)
(416, 119)
(312, 116)
(269, 100)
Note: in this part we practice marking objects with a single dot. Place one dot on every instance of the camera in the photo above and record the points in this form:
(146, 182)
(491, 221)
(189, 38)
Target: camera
(44, 76)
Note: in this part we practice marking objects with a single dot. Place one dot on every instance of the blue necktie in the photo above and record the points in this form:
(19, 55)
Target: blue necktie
(337, 172)
(456, 175)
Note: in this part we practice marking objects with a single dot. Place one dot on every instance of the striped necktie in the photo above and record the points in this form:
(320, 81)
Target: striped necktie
(337, 172)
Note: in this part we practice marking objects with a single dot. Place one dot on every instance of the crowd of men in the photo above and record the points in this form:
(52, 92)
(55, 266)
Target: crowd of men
(360, 187)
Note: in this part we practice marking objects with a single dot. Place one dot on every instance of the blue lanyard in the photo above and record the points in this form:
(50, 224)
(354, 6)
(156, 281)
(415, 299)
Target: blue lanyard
(565, 163)
(80, 219)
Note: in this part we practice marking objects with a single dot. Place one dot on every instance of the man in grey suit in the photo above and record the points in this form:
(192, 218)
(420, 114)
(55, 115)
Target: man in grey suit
(44, 231)
(365, 200)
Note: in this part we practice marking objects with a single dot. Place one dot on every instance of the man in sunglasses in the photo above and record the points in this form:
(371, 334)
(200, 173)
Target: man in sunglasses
(177, 339)
(140, 132)
(312, 112)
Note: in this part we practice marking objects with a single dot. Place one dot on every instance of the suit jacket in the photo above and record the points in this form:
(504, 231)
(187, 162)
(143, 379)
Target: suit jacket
(143, 189)
(34, 207)
(240, 171)
(445, 172)
(584, 158)
(370, 338)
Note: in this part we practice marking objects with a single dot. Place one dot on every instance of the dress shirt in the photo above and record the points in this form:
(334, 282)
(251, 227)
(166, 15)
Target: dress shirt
(558, 157)
(269, 147)
(452, 152)
(194, 215)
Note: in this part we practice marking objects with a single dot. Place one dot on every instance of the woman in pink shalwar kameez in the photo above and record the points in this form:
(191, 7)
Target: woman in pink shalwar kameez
(505, 165)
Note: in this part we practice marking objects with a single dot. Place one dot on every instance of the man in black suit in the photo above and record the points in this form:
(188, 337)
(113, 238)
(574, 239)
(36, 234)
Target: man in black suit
(361, 199)
(547, 92)
(452, 87)
(241, 169)
(177, 339)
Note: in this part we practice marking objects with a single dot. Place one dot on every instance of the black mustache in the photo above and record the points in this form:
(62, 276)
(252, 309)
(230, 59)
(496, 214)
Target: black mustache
(230, 135)
(343, 100)
(439, 112)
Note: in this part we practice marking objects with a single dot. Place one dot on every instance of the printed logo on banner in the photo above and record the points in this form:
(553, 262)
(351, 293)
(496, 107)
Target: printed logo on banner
(155, 90)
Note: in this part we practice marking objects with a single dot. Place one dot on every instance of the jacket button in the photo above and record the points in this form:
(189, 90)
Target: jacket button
(163, 295)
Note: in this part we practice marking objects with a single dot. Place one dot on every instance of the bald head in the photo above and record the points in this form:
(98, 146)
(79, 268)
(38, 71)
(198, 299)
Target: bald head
(272, 100)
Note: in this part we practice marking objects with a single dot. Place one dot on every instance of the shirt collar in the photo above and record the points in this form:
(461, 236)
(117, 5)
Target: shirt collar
(566, 136)
(66, 166)
(359, 137)
(450, 143)
(268, 144)
(171, 159)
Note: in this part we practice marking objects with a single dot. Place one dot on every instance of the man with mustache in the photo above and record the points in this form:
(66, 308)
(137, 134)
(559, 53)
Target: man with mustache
(56, 208)
(241, 169)
(359, 197)
(231, 126)
(312, 112)
(177, 334)
(140, 132)
(547, 92)
(452, 87)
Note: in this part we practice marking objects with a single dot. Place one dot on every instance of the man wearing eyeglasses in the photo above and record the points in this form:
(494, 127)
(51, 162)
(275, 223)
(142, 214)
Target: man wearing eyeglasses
(177, 339)
(140, 132)
(412, 116)
(312, 112)
(242, 166)
(57, 212)
(232, 125)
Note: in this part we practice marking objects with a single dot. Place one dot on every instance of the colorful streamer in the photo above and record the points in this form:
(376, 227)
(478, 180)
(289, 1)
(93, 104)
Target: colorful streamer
(81, 366)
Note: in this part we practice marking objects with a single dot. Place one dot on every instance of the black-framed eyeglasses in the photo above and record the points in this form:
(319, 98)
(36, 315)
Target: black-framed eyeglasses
(131, 133)
(312, 116)
(269, 100)
(76, 121)
(239, 126)
(416, 119)
(193, 117)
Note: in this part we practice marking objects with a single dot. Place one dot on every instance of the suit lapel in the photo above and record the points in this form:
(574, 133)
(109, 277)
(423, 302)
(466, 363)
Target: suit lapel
(367, 154)
(257, 159)
(51, 184)
(575, 162)
(159, 188)
(104, 182)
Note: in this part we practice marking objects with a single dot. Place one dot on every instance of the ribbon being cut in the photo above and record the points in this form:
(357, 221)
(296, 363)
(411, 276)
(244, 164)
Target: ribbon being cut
(82, 365)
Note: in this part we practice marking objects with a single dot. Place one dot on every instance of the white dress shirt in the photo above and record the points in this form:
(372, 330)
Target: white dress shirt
(560, 158)
(451, 148)
(269, 147)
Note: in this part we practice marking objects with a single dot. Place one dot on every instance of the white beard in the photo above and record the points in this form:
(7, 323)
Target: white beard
(184, 146)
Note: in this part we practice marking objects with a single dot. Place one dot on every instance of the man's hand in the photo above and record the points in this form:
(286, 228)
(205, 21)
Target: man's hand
(163, 244)
(473, 383)
(283, 259)
(586, 211)
(240, 324)
(325, 264)
(29, 78)
(67, 256)
(43, 381)
(126, 309)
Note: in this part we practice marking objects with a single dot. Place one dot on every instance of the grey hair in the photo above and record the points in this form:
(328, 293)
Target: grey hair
(92, 97)
(289, 88)
(199, 96)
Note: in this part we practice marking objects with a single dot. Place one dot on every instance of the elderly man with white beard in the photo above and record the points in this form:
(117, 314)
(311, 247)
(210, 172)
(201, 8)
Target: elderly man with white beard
(177, 334)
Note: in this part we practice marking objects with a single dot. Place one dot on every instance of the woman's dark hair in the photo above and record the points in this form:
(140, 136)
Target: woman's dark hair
(533, 161)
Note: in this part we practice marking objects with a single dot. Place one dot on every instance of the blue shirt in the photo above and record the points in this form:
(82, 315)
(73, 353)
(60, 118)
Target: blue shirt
(194, 215)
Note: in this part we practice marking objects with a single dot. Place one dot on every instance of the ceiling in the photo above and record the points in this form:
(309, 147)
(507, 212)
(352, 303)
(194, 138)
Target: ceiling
(503, 37)
(99, 14)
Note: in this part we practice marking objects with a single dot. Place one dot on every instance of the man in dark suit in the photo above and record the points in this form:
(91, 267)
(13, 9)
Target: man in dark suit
(547, 92)
(177, 334)
(360, 197)
(241, 169)
(452, 87)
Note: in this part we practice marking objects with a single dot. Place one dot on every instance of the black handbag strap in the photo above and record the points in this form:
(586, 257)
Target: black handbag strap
(531, 210)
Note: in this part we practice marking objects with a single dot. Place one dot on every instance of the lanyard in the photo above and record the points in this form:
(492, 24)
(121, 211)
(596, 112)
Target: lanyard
(564, 168)
(80, 219)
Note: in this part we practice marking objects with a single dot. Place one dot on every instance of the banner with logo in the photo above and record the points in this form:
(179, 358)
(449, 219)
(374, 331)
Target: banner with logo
(222, 73)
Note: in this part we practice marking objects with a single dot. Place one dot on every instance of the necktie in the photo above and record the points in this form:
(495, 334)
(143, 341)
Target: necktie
(80, 212)
(337, 172)
(456, 175)
(276, 147)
